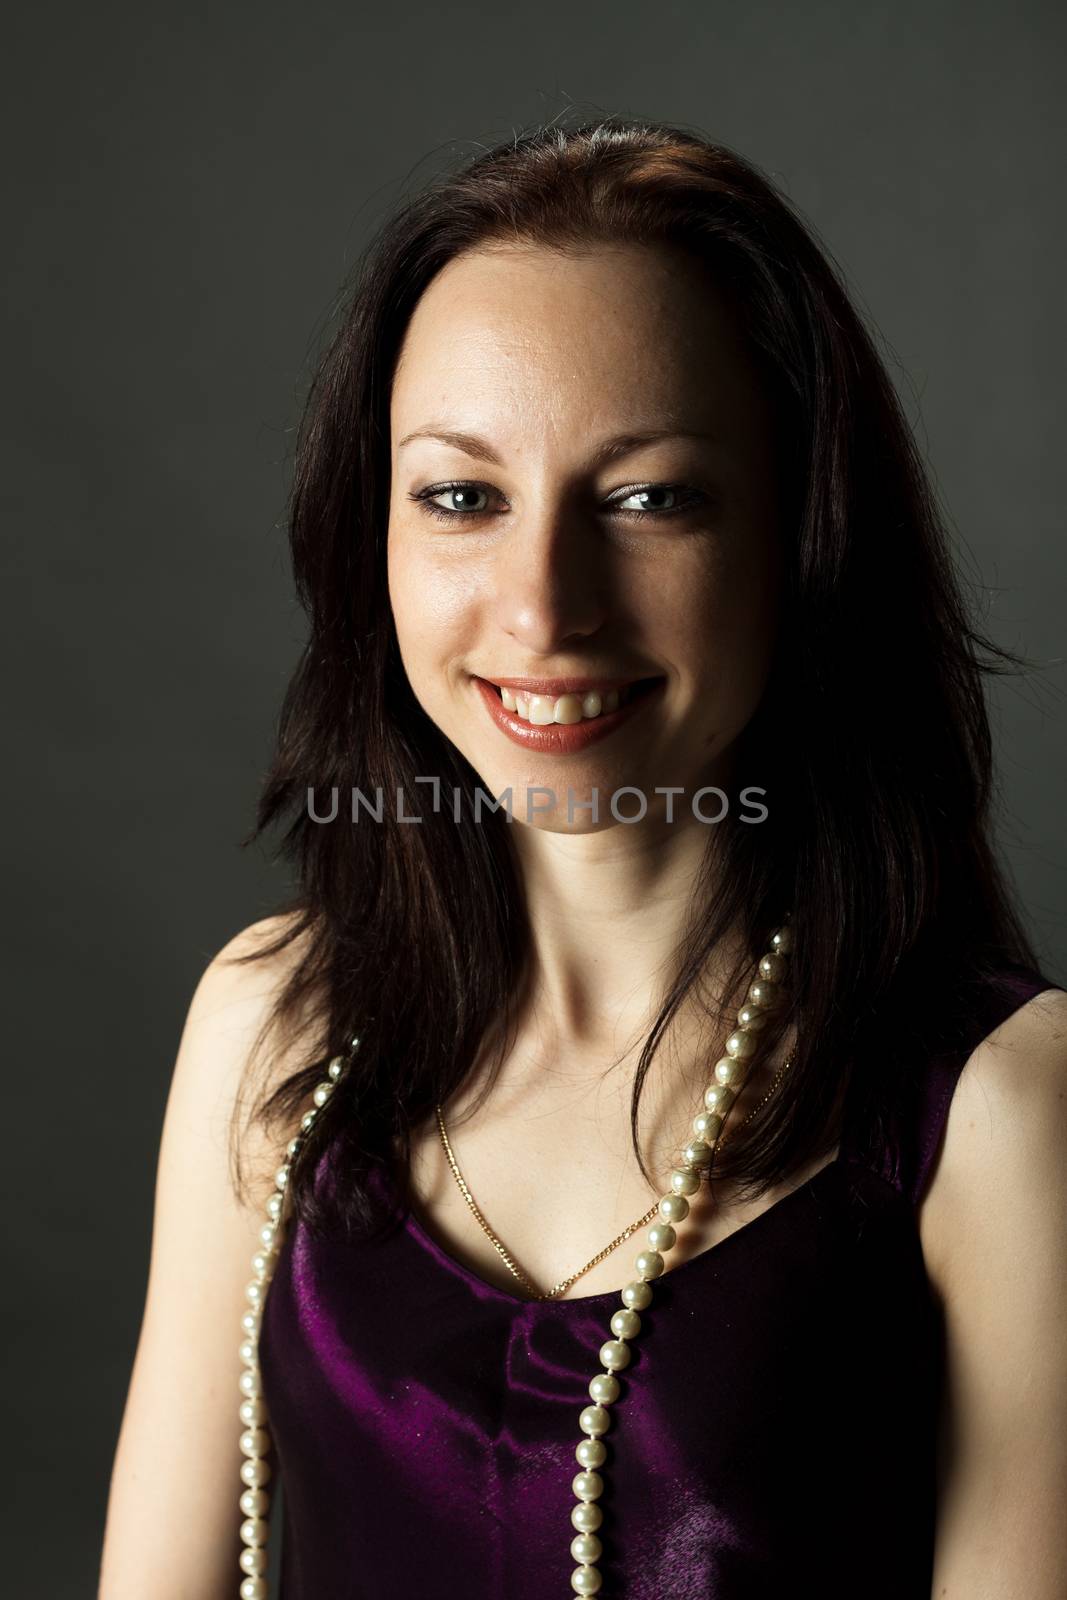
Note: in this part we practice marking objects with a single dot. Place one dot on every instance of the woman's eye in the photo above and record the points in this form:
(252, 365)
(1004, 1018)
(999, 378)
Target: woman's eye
(463, 493)
(465, 498)
(651, 495)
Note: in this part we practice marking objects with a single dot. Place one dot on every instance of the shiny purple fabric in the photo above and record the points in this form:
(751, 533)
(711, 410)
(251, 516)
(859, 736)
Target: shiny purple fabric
(775, 1433)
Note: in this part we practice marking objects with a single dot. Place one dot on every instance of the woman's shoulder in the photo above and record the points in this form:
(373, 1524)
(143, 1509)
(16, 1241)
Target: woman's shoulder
(269, 947)
(235, 1051)
(238, 992)
(996, 1251)
(1001, 1156)
(896, 1114)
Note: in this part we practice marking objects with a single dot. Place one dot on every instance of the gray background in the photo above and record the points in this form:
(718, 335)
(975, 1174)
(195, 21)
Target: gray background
(186, 191)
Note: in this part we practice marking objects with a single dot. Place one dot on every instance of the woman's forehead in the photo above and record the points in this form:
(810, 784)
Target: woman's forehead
(611, 343)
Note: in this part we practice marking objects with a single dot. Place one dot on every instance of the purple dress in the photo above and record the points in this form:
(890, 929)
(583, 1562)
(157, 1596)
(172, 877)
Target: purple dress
(775, 1433)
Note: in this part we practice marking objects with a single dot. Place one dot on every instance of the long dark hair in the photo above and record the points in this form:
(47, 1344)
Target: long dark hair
(872, 738)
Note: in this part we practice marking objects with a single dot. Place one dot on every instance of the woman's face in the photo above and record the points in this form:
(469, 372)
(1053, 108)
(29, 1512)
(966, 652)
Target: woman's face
(594, 436)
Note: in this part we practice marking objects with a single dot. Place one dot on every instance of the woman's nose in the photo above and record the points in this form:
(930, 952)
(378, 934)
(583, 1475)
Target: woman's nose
(551, 579)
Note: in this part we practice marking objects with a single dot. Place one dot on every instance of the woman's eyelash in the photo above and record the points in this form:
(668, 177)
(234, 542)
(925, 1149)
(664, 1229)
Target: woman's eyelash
(691, 497)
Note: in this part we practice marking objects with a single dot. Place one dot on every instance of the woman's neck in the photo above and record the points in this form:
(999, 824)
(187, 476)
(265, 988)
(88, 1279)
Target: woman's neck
(608, 913)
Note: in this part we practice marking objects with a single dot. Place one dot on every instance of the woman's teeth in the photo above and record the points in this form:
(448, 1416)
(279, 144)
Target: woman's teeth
(542, 709)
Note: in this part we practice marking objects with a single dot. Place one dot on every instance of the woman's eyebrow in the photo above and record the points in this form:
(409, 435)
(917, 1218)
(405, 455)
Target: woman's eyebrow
(479, 449)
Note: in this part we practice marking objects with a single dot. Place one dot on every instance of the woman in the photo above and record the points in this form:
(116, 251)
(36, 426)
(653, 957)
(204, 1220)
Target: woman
(606, 517)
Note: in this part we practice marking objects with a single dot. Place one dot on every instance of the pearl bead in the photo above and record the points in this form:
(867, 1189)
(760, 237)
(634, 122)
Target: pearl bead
(255, 1442)
(586, 1516)
(718, 1097)
(751, 1017)
(274, 1206)
(742, 1046)
(685, 1181)
(587, 1485)
(727, 1071)
(267, 1235)
(250, 1324)
(247, 1353)
(322, 1093)
(255, 1292)
(637, 1295)
(253, 1413)
(253, 1589)
(248, 1382)
(649, 1264)
(253, 1561)
(696, 1153)
(586, 1547)
(590, 1453)
(293, 1146)
(336, 1067)
(308, 1120)
(586, 1580)
(604, 1388)
(255, 1531)
(255, 1472)
(594, 1419)
(661, 1236)
(626, 1324)
(772, 968)
(262, 1262)
(674, 1208)
(782, 941)
(255, 1502)
(713, 1121)
(615, 1354)
(764, 994)
(281, 1177)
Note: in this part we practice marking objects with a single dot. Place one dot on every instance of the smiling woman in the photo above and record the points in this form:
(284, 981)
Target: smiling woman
(604, 491)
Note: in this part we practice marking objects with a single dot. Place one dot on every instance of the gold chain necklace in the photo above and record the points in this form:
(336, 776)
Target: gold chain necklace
(565, 1283)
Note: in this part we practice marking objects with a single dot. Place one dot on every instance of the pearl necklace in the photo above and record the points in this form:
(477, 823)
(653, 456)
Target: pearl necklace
(594, 1420)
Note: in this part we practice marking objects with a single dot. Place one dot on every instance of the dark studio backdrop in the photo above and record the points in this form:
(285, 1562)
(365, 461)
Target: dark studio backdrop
(186, 191)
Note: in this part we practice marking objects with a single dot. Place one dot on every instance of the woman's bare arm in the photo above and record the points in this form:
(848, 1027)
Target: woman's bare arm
(173, 1518)
(995, 1233)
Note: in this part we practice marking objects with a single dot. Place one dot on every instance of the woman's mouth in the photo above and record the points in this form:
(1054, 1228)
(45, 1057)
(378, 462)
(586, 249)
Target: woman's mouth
(565, 721)
(566, 709)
